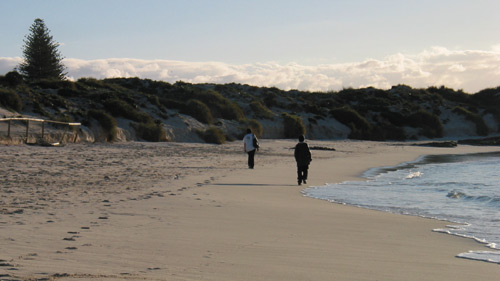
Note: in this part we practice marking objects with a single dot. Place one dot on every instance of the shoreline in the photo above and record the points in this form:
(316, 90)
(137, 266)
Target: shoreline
(491, 253)
(381, 265)
(195, 212)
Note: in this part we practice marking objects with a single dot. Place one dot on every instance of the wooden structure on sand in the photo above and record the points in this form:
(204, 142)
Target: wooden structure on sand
(43, 122)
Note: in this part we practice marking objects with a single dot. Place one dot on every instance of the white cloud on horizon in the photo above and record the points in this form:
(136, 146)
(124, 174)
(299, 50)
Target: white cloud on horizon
(470, 70)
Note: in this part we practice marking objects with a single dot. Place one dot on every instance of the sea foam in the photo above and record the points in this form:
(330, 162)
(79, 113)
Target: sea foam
(463, 189)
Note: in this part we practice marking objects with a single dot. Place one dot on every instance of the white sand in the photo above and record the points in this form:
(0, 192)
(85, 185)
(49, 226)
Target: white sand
(171, 211)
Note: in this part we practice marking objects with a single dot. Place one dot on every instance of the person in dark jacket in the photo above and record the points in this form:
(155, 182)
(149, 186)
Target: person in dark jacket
(303, 158)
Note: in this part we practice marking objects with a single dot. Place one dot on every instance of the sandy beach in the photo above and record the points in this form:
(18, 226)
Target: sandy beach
(184, 211)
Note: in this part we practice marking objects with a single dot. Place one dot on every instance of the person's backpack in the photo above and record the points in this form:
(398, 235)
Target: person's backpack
(255, 142)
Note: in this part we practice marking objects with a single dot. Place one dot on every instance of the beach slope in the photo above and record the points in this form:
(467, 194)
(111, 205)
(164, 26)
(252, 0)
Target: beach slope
(142, 211)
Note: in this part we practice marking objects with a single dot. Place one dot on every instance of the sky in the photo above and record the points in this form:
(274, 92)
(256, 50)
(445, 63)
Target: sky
(314, 45)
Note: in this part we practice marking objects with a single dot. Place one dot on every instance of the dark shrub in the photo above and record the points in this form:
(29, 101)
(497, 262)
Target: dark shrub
(213, 135)
(118, 107)
(221, 106)
(154, 100)
(13, 79)
(270, 99)
(91, 82)
(54, 101)
(450, 94)
(172, 104)
(107, 122)
(312, 120)
(39, 109)
(488, 97)
(55, 84)
(394, 118)
(10, 99)
(121, 108)
(261, 111)
(430, 124)
(313, 108)
(294, 127)
(150, 131)
(350, 117)
(256, 127)
(199, 111)
(64, 118)
(481, 127)
(67, 92)
(293, 106)
(388, 132)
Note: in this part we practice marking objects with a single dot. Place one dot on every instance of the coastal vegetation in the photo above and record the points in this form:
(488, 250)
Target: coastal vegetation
(10, 99)
(106, 121)
(143, 109)
(213, 135)
(220, 112)
(256, 128)
(42, 59)
(293, 125)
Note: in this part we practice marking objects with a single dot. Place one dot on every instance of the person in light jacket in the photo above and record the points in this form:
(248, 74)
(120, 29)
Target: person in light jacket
(303, 159)
(250, 145)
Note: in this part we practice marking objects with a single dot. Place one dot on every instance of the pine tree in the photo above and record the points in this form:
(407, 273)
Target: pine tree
(42, 60)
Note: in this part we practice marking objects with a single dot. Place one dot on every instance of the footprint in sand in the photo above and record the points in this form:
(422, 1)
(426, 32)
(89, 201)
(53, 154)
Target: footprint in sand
(30, 256)
(4, 263)
(9, 266)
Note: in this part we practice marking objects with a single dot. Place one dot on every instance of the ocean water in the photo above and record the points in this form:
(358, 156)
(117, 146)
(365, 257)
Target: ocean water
(461, 189)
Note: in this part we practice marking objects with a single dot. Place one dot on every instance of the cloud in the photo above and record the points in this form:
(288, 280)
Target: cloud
(8, 64)
(470, 70)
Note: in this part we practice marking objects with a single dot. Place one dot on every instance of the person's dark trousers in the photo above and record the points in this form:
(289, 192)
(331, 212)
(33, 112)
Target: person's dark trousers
(251, 155)
(302, 173)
